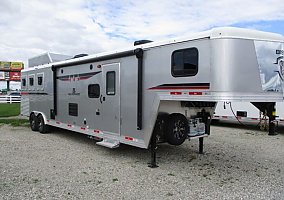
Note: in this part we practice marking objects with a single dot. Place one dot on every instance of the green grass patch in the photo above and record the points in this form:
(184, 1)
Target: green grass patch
(9, 109)
(15, 122)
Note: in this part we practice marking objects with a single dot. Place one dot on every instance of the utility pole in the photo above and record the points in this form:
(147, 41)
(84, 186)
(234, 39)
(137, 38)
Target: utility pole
(8, 86)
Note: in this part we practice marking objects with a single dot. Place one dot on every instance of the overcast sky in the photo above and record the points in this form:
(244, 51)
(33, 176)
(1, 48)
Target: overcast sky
(32, 27)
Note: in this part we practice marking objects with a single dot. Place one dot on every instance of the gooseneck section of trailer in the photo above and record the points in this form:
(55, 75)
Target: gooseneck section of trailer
(136, 52)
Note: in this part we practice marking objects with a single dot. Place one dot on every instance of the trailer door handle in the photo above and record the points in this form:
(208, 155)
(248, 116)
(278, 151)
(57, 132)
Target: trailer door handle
(97, 112)
(101, 98)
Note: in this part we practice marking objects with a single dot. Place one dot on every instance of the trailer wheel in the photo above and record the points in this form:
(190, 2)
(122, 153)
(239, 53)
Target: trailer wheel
(177, 129)
(42, 127)
(33, 122)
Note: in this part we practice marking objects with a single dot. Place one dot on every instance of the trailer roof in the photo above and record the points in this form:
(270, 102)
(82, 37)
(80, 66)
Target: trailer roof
(232, 32)
(215, 33)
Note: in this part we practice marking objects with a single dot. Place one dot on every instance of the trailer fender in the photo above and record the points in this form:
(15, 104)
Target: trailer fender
(37, 113)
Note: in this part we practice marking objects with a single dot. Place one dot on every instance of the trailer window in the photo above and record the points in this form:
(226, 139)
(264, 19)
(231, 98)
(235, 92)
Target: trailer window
(110, 83)
(94, 91)
(185, 62)
(31, 81)
(24, 82)
(39, 80)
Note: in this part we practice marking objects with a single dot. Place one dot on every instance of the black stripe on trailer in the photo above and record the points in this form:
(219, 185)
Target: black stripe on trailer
(139, 55)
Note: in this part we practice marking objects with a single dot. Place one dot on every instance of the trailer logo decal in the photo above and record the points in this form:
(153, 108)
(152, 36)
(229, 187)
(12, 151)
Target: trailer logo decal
(279, 61)
(78, 77)
(74, 92)
(182, 86)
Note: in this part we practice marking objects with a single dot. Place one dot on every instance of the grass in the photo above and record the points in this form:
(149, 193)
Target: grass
(15, 122)
(8, 110)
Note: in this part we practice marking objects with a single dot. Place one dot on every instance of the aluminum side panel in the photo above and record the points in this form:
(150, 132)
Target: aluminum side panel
(234, 66)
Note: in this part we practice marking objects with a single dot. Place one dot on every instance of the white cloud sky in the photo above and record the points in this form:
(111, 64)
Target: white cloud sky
(32, 27)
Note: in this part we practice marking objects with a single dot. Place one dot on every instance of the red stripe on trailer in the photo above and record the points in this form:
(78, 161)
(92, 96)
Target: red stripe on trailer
(129, 138)
(84, 78)
(65, 78)
(24, 93)
(195, 93)
(57, 122)
(179, 88)
(225, 117)
(175, 93)
(254, 118)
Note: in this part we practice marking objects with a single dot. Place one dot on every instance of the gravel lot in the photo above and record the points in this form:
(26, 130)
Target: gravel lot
(237, 164)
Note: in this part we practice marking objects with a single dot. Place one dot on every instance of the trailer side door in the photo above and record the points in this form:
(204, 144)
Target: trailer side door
(110, 98)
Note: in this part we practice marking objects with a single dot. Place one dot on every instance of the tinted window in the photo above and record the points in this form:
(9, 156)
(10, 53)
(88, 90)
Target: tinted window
(39, 80)
(185, 62)
(24, 82)
(94, 91)
(31, 80)
(110, 83)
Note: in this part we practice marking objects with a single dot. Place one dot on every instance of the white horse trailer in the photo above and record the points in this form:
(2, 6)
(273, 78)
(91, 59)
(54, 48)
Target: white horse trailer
(156, 91)
(246, 112)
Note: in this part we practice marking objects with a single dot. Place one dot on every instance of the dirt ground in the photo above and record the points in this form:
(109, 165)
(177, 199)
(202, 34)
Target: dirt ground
(237, 164)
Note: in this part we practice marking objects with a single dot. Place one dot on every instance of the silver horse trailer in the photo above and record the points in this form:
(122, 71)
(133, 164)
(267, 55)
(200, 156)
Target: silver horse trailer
(156, 92)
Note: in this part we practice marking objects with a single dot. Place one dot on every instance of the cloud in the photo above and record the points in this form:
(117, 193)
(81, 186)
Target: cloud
(156, 19)
(29, 28)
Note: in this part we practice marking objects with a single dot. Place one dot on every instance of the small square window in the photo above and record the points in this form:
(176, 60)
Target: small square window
(94, 91)
(185, 62)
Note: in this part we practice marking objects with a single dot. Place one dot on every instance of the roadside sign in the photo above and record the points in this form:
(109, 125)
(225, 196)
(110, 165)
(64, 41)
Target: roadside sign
(2, 76)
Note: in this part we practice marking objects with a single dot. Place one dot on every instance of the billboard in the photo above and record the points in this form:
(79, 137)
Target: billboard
(14, 76)
(5, 66)
(16, 66)
(2, 76)
(11, 71)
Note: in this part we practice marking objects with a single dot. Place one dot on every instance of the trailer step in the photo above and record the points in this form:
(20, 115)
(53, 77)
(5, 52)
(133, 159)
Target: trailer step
(109, 143)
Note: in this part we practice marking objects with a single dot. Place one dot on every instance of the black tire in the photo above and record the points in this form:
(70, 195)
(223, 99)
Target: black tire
(177, 129)
(33, 122)
(42, 127)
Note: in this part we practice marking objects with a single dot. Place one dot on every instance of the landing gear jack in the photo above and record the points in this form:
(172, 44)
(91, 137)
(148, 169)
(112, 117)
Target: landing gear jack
(201, 145)
(269, 108)
(153, 150)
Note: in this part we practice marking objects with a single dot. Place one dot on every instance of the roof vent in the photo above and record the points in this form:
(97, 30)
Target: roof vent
(138, 42)
(80, 55)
